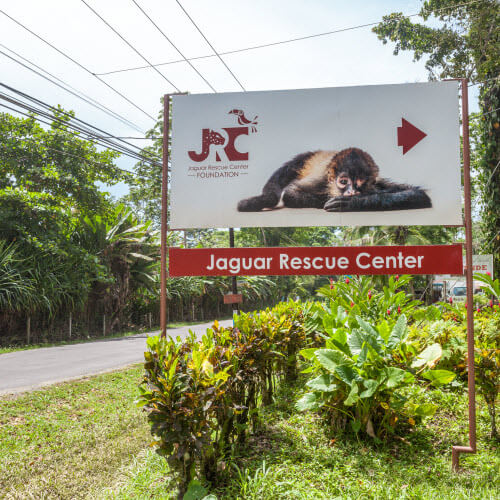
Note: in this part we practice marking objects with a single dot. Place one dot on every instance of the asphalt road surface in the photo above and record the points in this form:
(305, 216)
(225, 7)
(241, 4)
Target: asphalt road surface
(31, 369)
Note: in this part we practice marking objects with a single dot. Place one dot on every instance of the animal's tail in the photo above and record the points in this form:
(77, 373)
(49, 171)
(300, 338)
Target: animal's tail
(268, 199)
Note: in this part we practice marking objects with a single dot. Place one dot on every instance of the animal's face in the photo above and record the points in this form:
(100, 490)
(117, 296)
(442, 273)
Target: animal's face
(350, 185)
(354, 172)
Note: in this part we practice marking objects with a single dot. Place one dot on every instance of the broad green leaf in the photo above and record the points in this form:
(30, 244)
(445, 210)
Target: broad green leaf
(345, 373)
(429, 356)
(356, 425)
(367, 327)
(398, 334)
(308, 353)
(371, 386)
(439, 377)
(394, 376)
(309, 401)
(152, 342)
(195, 491)
(384, 330)
(328, 323)
(353, 395)
(340, 336)
(323, 383)
(370, 335)
(330, 359)
(362, 356)
(425, 410)
(355, 342)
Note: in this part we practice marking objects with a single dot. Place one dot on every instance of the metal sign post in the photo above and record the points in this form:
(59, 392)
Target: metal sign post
(164, 215)
(456, 450)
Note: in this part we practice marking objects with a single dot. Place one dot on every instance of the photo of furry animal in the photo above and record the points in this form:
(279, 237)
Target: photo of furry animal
(337, 181)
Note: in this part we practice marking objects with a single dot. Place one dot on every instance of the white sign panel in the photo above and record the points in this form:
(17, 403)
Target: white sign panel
(374, 155)
(480, 264)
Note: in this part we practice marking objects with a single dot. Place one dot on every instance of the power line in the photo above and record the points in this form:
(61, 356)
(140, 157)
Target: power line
(73, 91)
(71, 132)
(273, 44)
(175, 47)
(69, 115)
(482, 114)
(93, 137)
(210, 45)
(78, 128)
(78, 64)
(129, 44)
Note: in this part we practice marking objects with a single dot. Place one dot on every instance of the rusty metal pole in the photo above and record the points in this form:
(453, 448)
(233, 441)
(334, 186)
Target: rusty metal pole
(164, 214)
(456, 450)
(234, 281)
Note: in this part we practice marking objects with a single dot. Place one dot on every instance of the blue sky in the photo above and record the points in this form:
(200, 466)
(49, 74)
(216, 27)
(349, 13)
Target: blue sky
(354, 57)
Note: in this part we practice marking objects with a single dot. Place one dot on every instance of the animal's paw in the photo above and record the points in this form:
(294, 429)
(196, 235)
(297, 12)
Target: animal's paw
(338, 204)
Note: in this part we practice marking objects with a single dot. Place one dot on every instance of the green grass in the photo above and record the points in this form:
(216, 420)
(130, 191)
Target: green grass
(86, 439)
(294, 458)
(68, 441)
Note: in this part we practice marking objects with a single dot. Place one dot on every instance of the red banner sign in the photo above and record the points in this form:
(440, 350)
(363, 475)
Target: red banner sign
(428, 259)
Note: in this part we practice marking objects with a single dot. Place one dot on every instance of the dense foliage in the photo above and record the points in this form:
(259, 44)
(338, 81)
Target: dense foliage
(368, 353)
(202, 397)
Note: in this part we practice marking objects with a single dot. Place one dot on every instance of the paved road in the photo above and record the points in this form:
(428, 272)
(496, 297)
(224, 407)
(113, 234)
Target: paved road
(27, 370)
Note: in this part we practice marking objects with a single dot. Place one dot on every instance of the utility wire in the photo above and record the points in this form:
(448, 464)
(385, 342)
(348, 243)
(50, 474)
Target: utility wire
(93, 137)
(482, 114)
(273, 44)
(175, 47)
(73, 91)
(78, 64)
(69, 115)
(210, 45)
(73, 133)
(129, 44)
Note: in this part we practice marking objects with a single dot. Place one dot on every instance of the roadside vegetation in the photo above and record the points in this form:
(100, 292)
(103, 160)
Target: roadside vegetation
(360, 394)
(375, 365)
(67, 441)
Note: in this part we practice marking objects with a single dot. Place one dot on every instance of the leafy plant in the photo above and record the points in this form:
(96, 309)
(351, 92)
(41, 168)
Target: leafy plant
(362, 377)
(202, 397)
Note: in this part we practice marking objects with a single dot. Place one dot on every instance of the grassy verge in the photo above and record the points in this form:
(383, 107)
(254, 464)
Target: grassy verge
(293, 458)
(68, 441)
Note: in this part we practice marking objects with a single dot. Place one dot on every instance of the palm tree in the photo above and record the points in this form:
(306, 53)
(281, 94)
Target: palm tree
(127, 251)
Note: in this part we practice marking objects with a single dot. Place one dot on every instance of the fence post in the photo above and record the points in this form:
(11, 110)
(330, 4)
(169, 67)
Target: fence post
(70, 324)
(28, 330)
(104, 325)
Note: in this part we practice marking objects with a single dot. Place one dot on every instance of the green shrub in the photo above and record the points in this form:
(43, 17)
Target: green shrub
(203, 396)
(362, 376)
(359, 297)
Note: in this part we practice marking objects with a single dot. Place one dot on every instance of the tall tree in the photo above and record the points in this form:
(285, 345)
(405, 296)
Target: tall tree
(465, 45)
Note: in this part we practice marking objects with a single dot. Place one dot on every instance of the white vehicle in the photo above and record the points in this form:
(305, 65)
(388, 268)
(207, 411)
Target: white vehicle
(458, 291)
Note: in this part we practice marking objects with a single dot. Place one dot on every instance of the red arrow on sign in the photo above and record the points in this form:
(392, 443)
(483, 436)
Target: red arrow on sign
(409, 135)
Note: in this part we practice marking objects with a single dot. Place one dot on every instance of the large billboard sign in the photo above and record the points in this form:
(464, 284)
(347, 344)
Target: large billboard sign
(373, 155)
(425, 259)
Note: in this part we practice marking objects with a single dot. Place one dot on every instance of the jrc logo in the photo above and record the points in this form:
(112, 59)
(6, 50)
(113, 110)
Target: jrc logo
(224, 139)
